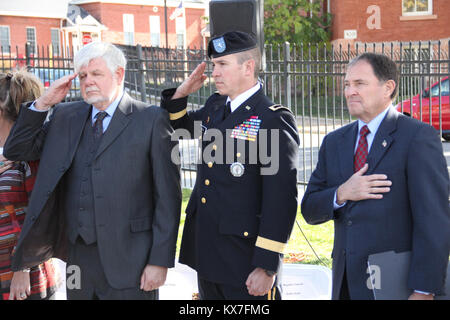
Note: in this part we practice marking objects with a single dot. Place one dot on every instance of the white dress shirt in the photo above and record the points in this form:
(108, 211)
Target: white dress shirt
(240, 99)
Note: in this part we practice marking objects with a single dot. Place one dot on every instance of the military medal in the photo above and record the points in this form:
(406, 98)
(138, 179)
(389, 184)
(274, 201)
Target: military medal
(247, 130)
(237, 169)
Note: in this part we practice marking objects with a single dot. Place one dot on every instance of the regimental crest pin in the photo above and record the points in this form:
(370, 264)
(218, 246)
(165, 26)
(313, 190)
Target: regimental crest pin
(237, 169)
(219, 45)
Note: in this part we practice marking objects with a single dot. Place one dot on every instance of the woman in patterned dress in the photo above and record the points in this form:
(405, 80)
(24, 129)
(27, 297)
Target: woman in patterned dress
(16, 182)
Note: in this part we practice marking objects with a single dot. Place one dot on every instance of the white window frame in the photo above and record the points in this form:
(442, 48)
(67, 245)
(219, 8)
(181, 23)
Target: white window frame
(8, 48)
(155, 28)
(35, 38)
(128, 28)
(58, 49)
(420, 13)
(180, 30)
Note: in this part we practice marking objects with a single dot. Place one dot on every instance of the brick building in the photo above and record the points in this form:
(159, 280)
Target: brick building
(54, 26)
(143, 22)
(377, 21)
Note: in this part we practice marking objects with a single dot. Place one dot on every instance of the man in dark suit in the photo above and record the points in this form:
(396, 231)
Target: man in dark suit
(106, 182)
(243, 207)
(383, 180)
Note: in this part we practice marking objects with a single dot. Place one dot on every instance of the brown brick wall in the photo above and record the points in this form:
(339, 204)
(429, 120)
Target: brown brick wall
(18, 33)
(351, 14)
(111, 15)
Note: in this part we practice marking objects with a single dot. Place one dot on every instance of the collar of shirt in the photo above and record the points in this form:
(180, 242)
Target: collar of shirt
(240, 99)
(373, 126)
(110, 111)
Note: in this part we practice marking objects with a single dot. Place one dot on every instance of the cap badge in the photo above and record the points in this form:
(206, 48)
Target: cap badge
(219, 45)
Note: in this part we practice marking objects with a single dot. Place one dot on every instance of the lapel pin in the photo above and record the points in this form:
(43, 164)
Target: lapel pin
(247, 107)
(384, 144)
(207, 120)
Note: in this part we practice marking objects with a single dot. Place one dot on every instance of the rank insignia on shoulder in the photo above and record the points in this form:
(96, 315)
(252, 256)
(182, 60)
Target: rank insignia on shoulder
(248, 130)
(276, 107)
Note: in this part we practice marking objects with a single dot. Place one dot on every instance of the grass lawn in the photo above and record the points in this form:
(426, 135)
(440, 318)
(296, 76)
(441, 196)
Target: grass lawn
(320, 237)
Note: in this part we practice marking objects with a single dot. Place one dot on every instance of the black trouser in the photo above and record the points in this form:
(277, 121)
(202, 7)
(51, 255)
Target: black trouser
(93, 284)
(217, 291)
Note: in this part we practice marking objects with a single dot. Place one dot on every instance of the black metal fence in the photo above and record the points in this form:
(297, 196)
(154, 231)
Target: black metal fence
(43, 62)
(307, 78)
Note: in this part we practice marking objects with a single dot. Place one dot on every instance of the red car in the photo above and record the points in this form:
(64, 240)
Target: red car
(427, 99)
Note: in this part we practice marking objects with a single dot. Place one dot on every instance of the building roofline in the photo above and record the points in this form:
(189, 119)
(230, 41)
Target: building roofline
(31, 14)
(170, 3)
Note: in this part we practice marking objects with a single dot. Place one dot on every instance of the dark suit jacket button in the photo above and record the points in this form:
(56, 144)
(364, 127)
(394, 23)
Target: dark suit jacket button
(349, 222)
(33, 218)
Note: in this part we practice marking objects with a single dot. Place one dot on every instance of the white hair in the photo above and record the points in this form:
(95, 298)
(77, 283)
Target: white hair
(112, 55)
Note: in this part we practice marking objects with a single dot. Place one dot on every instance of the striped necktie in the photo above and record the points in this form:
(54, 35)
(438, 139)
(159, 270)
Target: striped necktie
(98, 124)
(362, 150)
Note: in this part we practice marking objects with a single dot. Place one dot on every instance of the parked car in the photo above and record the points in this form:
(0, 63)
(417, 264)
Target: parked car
(48, 75)
(427, 99)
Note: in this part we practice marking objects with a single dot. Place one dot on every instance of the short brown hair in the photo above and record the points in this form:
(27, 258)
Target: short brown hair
(252, 54)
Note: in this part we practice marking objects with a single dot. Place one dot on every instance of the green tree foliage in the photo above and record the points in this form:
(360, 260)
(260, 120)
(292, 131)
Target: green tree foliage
(295, 21)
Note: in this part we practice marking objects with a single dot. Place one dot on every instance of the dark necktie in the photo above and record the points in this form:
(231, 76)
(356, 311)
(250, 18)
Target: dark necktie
(227, 110)
(98, 124)
(362, 150)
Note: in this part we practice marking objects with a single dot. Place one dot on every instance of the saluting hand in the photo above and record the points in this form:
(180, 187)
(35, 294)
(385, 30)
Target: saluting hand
(360, 187)
(192, 83)
(55, 93)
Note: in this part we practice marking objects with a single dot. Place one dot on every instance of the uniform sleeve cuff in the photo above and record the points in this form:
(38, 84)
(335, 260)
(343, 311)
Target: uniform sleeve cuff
(268, 254)
(175, 107)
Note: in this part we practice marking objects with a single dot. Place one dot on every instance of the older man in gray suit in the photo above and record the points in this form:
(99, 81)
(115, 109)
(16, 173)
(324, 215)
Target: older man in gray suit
(107, 194)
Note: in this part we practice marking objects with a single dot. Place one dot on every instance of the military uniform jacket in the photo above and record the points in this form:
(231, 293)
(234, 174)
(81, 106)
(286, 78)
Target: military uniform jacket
(238, 218)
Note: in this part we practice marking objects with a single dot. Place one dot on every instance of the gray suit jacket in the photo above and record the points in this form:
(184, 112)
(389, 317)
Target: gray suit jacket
(414, 215)
(136, 187)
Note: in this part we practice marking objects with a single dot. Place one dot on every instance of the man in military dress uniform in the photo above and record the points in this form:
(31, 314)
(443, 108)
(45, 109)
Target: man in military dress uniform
(243, 207)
